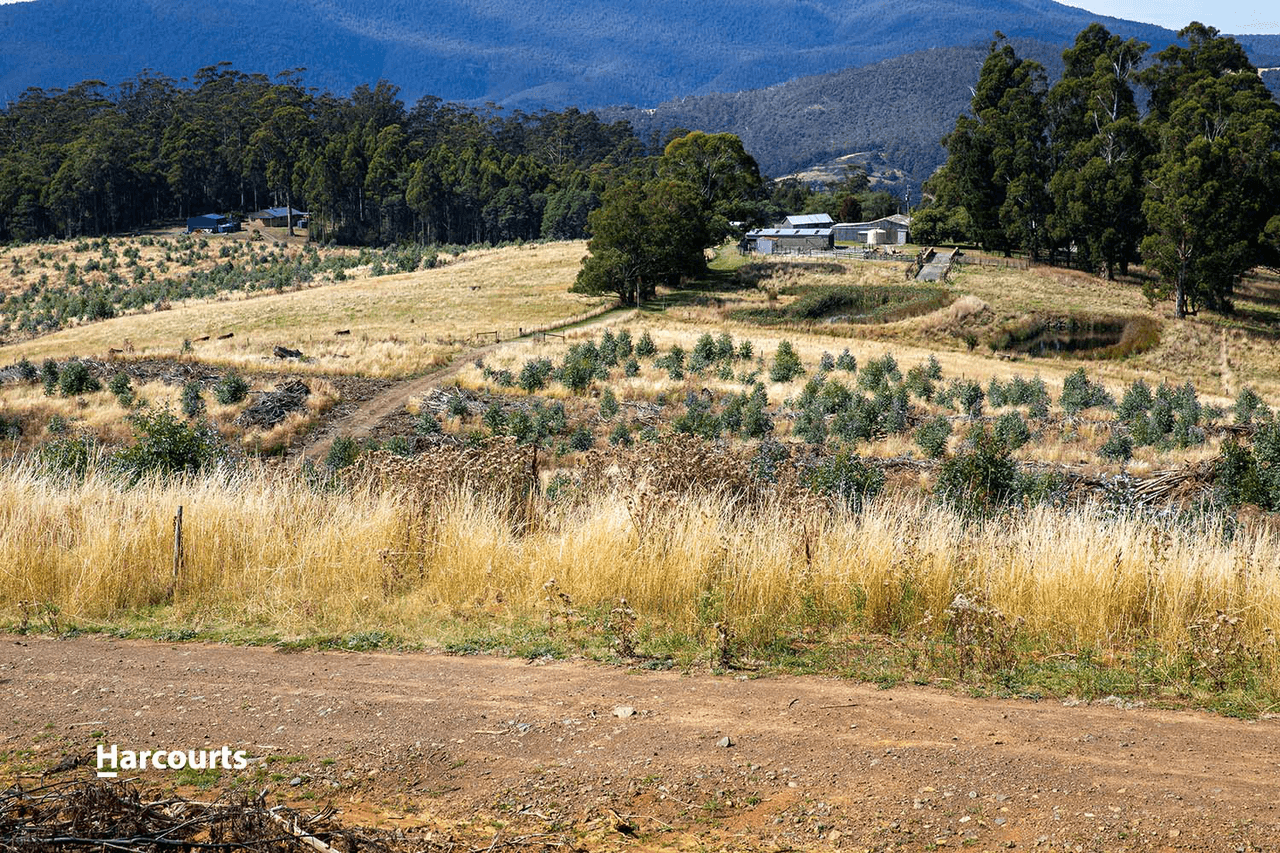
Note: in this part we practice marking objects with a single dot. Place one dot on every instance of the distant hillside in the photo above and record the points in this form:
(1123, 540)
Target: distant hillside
(893, 113)
(581, 52)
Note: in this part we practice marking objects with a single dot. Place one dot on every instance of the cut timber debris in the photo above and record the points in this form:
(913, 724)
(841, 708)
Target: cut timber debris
(274, 406)
(285, 352)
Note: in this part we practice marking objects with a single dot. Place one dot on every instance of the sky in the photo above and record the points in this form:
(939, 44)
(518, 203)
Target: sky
(1229, 16)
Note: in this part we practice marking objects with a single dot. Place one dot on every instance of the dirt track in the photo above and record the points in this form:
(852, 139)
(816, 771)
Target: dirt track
(408, 739)
(361, 421)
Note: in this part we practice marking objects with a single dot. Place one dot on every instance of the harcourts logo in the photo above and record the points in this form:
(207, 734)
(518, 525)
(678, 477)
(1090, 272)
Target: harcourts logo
(112, 759)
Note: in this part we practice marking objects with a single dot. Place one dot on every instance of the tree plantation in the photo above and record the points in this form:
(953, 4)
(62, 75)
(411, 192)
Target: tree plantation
(1076, 170)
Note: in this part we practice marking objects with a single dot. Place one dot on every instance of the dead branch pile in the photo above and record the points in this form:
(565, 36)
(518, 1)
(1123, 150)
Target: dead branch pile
(273, 407)
(109, 815)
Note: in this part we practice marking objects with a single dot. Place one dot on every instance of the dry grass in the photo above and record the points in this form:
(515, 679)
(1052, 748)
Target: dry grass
(265, 551)
(99, 413)
(399, 324)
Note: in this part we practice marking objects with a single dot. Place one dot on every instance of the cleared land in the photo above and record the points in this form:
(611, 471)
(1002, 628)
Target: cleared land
(398, 324)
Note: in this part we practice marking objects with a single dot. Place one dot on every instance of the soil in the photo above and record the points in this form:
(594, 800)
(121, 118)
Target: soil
(591, 757)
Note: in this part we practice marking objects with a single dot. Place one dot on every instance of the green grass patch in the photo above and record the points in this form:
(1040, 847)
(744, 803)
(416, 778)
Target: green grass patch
(851, 305)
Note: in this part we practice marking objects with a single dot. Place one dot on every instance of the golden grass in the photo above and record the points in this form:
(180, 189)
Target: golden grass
(400, 324)
(101, 415)
(265, 551)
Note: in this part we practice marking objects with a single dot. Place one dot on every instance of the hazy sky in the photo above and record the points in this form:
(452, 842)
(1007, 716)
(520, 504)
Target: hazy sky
(1229, 16)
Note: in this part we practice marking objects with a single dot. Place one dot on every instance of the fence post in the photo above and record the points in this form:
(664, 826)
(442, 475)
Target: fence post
(177, 543)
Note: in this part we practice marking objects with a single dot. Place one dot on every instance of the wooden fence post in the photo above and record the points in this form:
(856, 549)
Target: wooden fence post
(177, 543)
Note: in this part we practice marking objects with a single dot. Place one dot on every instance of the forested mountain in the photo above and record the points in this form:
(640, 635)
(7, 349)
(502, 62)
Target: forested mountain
(585, 53)
(894, 112)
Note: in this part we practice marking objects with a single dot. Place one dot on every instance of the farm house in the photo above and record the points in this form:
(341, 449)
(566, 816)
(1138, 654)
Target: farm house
(278, 217)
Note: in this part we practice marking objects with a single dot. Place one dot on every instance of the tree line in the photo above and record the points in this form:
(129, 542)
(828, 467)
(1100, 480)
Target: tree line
(91, 160)
(1078, 173)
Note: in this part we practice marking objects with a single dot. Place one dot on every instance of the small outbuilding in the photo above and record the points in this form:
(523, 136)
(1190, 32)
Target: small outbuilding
(278, 217)
(807, 220)
(214, 223)
(768, 241)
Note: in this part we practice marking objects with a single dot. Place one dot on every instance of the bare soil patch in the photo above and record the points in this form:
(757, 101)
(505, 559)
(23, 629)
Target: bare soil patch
(607, 758)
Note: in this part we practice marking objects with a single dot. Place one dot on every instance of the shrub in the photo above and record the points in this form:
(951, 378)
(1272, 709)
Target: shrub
(10, 428)
(697, 419)
(631, 368)
(122, 389)
(811, 425)
(1135, 402)
(724, 347)
(1078, 393)
(608, 349)
(624, 346)
(932, 437)
(76, 379)
(458, 406)
(846, 362)
(165, 444)
(1011, 429)
(621, 435)
(645, 346)
(582, 439)
(1248, 405)
(231, 389)
(69, 455)
(705, 348)
(552, 420)
(979, 480)
(673, 363)
(27, 372)
(192, 400)
(878, 372)
(581, 365)
(1118, 447)
(342, 452)
(494, 418)
(745, 351)
(428, 424)
(786, 363)
(534, 374)
(608, 404)
(826, 363)
(1238, 480)
(846, 478)
(756, 422)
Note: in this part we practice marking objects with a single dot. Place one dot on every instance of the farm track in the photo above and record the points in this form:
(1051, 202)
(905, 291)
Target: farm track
(361, 421)
(637, 759)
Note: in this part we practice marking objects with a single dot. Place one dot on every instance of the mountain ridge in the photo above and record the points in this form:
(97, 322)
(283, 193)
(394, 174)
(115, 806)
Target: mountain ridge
(586, 53)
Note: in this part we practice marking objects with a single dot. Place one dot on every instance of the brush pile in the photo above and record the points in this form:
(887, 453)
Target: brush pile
(107, 815)
(274, 406)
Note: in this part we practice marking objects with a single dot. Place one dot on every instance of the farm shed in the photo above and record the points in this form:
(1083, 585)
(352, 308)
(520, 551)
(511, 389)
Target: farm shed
(278, 217)
(893, 230)
(807, 220)
(214, 223)
(768, 241)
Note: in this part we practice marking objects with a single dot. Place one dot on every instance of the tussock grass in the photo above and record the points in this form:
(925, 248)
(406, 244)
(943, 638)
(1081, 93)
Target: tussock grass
(266, 551)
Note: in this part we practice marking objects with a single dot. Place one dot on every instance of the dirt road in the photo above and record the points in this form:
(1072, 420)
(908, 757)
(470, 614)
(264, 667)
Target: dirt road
(638, 759)
(361, 421)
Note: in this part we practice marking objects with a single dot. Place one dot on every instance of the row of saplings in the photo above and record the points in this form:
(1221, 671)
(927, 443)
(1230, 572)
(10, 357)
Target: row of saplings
(875, 401)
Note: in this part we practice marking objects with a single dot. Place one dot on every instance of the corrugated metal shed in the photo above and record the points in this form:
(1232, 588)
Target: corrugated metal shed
(809, 220)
